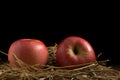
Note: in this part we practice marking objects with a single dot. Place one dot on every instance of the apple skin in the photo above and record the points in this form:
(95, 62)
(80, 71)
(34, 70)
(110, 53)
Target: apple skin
(74, 50)
(30, 51)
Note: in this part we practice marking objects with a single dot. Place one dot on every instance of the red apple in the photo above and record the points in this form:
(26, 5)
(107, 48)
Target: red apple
(74, 50)
(29, 51)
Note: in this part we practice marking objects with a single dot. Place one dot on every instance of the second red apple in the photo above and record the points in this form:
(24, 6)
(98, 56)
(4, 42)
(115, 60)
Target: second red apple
(74, 50)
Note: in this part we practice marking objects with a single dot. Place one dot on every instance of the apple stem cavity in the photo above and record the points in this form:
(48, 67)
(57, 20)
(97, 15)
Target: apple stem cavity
(75, 50)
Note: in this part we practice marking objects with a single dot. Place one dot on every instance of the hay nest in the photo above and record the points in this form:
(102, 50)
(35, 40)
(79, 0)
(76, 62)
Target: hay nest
(90, 71)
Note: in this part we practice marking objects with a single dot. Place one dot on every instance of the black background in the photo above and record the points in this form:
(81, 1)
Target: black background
(98, 26)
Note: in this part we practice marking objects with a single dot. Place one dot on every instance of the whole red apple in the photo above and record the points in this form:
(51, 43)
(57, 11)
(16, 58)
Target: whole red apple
(29, 51)
(74, 50)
